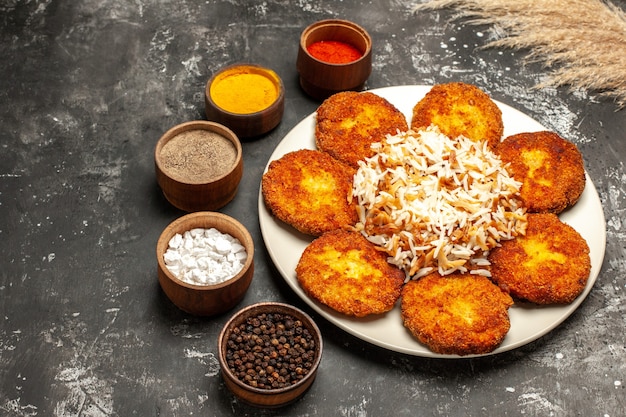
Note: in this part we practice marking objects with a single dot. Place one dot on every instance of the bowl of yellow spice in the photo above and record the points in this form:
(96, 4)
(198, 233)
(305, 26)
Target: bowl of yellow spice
(199, 165)
(247, 98)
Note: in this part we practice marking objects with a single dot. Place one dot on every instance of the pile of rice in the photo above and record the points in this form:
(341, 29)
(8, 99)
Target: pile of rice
(432, 202)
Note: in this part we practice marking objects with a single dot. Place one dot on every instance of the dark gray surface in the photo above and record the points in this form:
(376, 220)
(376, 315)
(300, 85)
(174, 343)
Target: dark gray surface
(87, 88)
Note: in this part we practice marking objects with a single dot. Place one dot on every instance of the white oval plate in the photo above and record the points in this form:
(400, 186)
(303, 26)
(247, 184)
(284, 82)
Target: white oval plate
(528, 323)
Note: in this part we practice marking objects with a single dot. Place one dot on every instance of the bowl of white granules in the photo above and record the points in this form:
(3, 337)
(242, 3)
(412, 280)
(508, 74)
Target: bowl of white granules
(205, 262)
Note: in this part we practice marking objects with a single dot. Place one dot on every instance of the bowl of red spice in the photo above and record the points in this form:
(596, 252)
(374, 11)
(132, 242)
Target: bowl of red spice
(247, 98)
(199, 165)
(269, 354)
(205, 262)
(334, 55)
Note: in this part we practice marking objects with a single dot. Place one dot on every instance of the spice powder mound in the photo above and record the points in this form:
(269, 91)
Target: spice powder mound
(197, 156)
(334, 52)
(244, 91)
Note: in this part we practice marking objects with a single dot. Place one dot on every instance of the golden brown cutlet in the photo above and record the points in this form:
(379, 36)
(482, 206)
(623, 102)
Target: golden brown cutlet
(549, 265)
(309, 190)
(347, 123)
(460, 314)
(460, 109)
(549, 167)
(344, 271)
(457, 314)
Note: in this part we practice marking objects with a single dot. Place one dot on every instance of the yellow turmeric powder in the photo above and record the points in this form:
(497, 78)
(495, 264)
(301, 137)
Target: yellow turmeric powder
(244, 89)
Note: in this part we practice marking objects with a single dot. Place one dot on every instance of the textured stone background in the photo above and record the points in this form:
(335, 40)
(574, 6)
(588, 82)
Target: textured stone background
(86, 90)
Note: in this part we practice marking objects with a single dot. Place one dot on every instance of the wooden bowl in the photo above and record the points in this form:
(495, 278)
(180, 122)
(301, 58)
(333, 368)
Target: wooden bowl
(247, 98)
(321, 79)
(268, 397)
(202, 181)
(205, 300)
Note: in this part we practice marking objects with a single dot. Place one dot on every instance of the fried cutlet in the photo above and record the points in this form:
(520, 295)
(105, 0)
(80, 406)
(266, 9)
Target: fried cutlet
(309, 190)
(549, 167)
(460, 109)
(344, 271)
(349, 122)
(460, 314)
(549, 265)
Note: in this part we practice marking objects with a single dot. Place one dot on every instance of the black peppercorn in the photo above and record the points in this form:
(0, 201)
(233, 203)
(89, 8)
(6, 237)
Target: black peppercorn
(270, 351)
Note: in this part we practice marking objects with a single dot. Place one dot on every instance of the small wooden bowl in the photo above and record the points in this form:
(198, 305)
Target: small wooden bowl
(193, 193)
(264, 397)
(246, 119)
(321, 79)
(205, 300)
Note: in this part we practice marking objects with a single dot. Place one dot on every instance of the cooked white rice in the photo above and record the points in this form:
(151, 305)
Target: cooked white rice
(432, 202)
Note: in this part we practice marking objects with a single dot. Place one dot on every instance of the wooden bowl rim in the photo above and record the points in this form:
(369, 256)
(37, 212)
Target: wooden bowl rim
(258, 69)
(210, 126)
(173, 228)
(268, 306)
(339, 23)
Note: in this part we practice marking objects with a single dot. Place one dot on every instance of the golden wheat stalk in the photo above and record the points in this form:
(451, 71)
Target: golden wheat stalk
(583, 42)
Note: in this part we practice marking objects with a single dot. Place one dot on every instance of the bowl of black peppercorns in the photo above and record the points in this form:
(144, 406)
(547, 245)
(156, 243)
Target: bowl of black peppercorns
(269, 354)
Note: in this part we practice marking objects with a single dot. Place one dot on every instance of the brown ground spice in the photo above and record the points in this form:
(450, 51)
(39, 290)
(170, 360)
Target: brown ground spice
(198, 156)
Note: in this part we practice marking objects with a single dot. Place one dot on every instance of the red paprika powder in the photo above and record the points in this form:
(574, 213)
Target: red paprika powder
(334, 52)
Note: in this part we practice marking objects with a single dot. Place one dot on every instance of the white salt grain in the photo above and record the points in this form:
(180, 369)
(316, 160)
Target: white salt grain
(176, 241)
(204, 256)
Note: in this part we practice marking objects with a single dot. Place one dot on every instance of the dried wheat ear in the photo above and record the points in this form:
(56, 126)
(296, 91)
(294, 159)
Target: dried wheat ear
(583, 42)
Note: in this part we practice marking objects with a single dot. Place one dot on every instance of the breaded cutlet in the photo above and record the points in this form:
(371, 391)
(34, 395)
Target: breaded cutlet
(460, 314)
(347, 123)
(549, 167)
(309, 190)
(460, 109)
(549, 265)
(344, 271)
